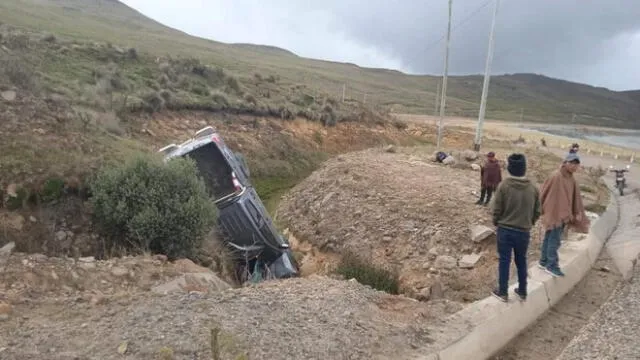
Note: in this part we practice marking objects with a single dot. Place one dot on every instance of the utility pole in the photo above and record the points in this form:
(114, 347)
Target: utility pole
(487, 76)
(344, 91)
(435, 105)
(443, 98)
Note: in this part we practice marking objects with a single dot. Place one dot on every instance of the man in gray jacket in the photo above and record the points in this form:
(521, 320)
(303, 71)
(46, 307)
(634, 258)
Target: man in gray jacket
(516, 208)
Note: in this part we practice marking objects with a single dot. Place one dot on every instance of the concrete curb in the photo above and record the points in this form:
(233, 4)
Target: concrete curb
(490, 324)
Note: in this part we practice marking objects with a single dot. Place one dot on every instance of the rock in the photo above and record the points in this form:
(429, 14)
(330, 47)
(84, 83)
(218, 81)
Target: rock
(119, 271)
(160, 257)
(434, 156)
(436, 291)
(475, 167)
(122, 348)
(469, 261)
(390, 149)
(449, 160)
(61, 236)
(87, 259)
(13, 221)
(480, 233)
(469, 155)
(445, 262)
(5, 311)
(8, 95)
(433, 253)
(424, 294)
(33, 219)
(188, 266)
(200, 282)
(12, 190)
(7, 249)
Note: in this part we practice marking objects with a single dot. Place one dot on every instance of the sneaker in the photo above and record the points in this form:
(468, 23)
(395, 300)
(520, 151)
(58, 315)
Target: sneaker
(554, 272)
(542, 266)
(479, 202)
(523, 296)
(499, 296)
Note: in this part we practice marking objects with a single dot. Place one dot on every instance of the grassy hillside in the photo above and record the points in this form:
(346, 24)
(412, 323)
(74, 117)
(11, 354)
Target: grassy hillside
(297, 82)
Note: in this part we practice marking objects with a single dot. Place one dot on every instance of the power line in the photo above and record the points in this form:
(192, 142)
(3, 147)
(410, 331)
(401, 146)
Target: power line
(459, 24)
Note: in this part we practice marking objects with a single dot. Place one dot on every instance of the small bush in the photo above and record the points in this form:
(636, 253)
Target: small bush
(352, 266)
(220, 99)
(146, 205)
(232, 85)
(52, 190)
(132, 54)
(18, 73)
(153, 102)
(50, 38)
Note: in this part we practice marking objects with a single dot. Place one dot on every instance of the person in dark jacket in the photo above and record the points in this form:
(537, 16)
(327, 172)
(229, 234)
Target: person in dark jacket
(516, 208)
(490, 178)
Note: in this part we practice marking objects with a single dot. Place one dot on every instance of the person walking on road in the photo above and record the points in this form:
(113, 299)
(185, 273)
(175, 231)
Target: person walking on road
(561, 207)
(516, 208)
(490, 178)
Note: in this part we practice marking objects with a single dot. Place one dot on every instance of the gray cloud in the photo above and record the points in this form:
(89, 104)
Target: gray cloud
(592, 41)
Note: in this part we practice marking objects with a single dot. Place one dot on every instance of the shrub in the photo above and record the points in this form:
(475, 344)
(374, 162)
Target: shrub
(52, 189)
(352, 266)
(153, 102)
(146, 205)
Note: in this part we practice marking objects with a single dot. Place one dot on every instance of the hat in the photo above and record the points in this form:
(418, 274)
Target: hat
(491, 154)
(517, 165)
(572, 157)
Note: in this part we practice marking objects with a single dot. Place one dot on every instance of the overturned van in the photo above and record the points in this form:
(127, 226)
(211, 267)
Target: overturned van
(260, 251)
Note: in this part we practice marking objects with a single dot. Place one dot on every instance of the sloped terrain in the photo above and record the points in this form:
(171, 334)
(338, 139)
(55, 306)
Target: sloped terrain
(61, 308)
(542, 99)
(405, 213)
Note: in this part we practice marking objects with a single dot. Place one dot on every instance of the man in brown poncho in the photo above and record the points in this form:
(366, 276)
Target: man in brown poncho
(561, 206)
(490, 178)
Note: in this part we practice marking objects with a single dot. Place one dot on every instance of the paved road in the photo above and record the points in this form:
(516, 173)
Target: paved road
(613, 332)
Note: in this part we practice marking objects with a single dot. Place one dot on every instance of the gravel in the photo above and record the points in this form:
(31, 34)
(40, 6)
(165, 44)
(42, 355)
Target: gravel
(311, 318)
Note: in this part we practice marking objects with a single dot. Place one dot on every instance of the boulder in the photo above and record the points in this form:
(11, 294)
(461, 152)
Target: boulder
(8, 95)
(469, 261)
(201, 282)
(480, 233)
(475, 167)
(390, 149)
(446, 262)
(449, 160)
(470, 155)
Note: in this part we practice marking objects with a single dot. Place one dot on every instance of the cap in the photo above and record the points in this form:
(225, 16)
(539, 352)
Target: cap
(572, 157)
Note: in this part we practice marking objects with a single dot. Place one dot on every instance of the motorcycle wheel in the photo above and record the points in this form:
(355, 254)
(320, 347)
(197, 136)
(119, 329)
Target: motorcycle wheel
(621, 188)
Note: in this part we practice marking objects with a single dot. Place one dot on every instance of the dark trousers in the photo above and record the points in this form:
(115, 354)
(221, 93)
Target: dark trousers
(510, 240)
(486, 191)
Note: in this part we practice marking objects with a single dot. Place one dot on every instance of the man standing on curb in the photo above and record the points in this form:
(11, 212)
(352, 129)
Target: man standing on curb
(516, 208)
(561, 206)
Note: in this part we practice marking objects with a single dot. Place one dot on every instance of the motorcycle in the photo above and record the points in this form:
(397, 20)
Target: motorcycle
(620, 180)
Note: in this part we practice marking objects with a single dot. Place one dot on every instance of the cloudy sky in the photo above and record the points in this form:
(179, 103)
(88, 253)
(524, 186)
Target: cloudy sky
(591, 41)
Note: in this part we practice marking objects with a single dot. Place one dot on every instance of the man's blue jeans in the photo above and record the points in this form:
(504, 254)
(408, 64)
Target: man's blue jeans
(550, 245)
(516, 241)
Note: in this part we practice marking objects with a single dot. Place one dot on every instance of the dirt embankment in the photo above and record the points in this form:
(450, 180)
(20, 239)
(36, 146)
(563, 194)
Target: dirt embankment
(408, 214)
(61, 308)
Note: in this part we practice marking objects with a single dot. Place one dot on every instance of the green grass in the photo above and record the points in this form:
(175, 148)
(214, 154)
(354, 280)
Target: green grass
(352, 266)
(542, 99)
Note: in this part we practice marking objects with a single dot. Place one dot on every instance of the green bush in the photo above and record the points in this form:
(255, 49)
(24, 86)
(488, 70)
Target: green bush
(146, 205)
(352, 266)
